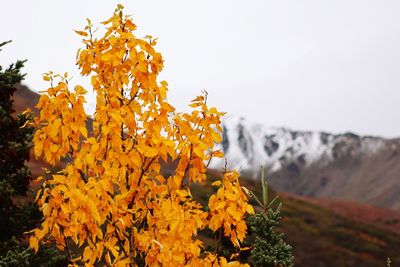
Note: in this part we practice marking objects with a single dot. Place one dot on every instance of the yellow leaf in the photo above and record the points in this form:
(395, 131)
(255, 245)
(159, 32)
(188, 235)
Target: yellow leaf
(198, 99)
(183, 193)
(198, 151)
(53, 148)
(81, 33)
(196, 104)
(54, 128)
(59, 178)
(38, 148)
(83, 131)
(80, 90)
(216, 137)
(46, 209)
(94, 147)
(107, 56)
(220, 205)
(231, 196)
(89, 158)
(250, 209)
(234, 213)
(87, 253)
(216, 183)
(65, 208)
(34, 243)
(218, 154)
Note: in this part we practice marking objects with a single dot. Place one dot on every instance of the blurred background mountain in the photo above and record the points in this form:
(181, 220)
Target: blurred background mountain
(344, 166)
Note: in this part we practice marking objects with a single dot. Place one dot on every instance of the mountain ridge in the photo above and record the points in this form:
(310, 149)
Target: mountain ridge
(316, 164)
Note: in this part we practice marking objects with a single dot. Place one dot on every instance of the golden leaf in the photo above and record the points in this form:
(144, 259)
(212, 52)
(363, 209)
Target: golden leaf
(81, 33)
(34, 243)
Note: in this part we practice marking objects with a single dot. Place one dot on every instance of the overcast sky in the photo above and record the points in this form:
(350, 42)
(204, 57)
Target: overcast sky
(307, 65)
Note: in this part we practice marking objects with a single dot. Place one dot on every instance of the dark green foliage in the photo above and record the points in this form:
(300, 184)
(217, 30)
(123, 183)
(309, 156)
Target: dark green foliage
(269, 248)
(267, 245)
(15, 143)
(16, 135)
(22, 256)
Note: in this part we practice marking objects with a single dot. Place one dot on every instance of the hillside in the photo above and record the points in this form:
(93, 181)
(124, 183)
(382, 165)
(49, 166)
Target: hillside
(25, 98)
(381, 217)
(321, 238)
(324, 238)
(317, 164)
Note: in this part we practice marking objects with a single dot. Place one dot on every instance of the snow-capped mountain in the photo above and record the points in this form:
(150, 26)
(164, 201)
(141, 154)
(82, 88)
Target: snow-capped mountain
(347, 166)
(248, 146)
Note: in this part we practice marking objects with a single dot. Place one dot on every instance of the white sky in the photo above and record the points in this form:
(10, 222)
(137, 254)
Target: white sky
(308, 65)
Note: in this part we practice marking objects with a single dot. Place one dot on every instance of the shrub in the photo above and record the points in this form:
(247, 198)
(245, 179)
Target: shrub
(111, 203)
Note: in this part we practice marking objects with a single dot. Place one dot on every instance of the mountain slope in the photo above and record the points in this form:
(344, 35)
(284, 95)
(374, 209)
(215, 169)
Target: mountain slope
(324, 238)
(343, 166)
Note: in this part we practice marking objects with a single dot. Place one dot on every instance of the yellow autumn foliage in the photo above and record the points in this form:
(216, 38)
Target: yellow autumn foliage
(111, 200)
